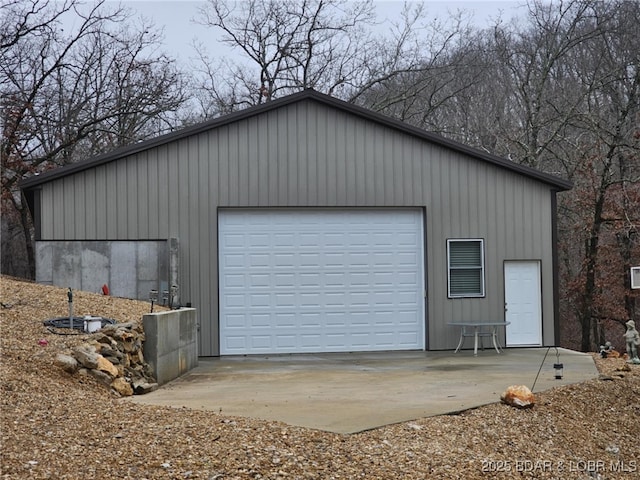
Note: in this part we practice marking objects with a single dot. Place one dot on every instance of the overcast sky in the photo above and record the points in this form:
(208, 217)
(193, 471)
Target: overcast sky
(175, 17)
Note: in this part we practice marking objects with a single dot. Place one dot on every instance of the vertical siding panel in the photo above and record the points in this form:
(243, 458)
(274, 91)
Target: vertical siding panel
(509, 209)
(492, 245)
(271, 158)
(51, 204)
(421, 185)
(351, 155)
(121, 201)
(301, 134)
(378, 167)
(472, 196)
(153, 203)
(101, 203)
(323, 160)
(312, 156)
(359, 160)
(281, 160)
(224, 179)
(449, 181)
(524, 217)
(369, 165)
(197, 200)
(398, 159)
(253, 160)
(292, 183)
(234, 165)
(388, 182)
(164, 192)
(183, 214)
(244, 178)
(206, 251)
(110, 202)
(68, 199)
(141, 191)
(330, 155)
(340, 149)
(407, 173)
(81, 215)
(208, 314)
(133, 185)
(90, 200)
(262, 167)
(46, 213)
(175, 188)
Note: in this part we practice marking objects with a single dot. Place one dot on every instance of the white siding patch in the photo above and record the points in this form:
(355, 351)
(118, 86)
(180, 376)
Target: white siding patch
(321, 280)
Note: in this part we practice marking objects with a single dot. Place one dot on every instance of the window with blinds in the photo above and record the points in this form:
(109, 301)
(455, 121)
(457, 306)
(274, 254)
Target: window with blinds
(465, 259)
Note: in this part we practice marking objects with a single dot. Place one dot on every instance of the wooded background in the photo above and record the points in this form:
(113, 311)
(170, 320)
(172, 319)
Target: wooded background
(557, 90)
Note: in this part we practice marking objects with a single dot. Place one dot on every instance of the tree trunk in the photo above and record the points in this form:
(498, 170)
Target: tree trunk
(591, 255)
(27, 228)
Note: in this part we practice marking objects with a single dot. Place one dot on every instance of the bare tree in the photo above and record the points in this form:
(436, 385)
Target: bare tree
(605, 208)
(69, 95)
(424, 84)
(24, 18)
(327, 45)
(565, 100)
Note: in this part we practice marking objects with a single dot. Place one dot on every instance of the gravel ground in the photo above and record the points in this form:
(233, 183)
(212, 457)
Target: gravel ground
(68, 427)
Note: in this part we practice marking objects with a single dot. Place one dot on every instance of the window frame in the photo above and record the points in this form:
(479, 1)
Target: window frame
(481, 267)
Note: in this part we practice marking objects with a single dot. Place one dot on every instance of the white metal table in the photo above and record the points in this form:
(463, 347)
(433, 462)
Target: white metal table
(478, 332)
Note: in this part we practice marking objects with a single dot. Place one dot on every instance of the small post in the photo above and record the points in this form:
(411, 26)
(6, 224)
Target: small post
(70, 296)
(153, 298)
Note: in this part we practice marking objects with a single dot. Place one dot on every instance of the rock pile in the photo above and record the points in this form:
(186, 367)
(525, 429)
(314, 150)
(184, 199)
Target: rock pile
(114, 356)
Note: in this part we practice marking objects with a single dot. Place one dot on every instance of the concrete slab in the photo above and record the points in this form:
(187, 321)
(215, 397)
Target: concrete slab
(352, 392)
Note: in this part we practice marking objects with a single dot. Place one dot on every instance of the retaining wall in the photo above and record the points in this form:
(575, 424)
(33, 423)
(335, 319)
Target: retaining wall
(129, 268)
(171, 345)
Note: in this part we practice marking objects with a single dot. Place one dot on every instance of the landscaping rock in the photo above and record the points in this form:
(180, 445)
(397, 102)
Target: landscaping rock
(86, 355)
(101, 376)
(518, 396)
(140, 388)
(115, 357)
(67, 363)
(123, 387)
(106, 366)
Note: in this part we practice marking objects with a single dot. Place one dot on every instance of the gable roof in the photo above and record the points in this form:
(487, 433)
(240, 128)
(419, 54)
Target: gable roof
(556, 182)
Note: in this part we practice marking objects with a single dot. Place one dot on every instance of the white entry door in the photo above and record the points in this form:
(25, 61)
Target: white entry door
(315, 280)
(523, 305)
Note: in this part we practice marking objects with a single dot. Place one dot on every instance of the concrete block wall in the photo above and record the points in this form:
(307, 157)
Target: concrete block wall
(171, 342)
(129, 268)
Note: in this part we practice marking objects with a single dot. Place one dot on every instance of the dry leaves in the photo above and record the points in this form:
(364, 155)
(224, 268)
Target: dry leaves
(58, 426)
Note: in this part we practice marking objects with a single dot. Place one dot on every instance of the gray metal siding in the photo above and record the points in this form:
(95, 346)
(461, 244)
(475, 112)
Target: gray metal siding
(309, 155)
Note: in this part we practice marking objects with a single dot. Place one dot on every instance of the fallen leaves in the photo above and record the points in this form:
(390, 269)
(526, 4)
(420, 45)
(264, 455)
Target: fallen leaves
(55, 425)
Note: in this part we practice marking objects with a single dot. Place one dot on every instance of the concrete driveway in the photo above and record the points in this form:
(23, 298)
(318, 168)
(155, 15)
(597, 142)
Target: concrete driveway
(352, 392)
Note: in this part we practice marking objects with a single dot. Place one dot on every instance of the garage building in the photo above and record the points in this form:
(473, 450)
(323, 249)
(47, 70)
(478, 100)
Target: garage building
(308, 224)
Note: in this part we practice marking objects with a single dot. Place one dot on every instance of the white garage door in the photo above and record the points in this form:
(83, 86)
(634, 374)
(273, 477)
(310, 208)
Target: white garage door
(307, 280)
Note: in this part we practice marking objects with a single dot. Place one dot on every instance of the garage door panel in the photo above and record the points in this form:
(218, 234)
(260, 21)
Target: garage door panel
(231, 260)
(285, 320)
(260, 320)
(320, 280)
